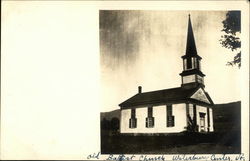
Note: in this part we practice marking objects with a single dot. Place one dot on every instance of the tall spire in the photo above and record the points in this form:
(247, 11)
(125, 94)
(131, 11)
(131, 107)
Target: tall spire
(191, 74)
(191, 47)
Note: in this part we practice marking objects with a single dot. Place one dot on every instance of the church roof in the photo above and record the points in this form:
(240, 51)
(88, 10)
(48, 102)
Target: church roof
(172, 95)
(190, 47)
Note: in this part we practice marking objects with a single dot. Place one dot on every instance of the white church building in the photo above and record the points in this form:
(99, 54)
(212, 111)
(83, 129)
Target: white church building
(172, 110)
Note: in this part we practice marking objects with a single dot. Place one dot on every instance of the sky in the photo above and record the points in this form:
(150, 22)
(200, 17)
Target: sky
(144, 48)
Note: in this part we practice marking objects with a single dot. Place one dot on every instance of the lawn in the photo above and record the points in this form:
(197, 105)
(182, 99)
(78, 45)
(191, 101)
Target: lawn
(184, 143)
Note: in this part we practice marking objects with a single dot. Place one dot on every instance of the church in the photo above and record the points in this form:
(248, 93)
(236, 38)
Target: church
(185, 108)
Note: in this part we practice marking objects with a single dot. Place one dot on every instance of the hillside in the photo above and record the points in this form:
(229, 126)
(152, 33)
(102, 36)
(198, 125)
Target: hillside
(111, 114)
(227, 117)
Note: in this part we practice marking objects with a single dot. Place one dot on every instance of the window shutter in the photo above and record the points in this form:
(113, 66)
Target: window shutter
(132, 123)
(170, 117)
(170, 121)
(150, 122)
(150, 118)
(173, 122)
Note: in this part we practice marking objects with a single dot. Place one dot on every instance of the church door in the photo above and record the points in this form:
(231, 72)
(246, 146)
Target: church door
(202, 121)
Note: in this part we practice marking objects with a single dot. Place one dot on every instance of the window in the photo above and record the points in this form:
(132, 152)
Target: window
(170, 117)
(150, 118)
(170, 122)
(133, 120)
(150, 122)
(132, 123)
(195, 62)
(185, 64)
(198, 65)
(189, 63)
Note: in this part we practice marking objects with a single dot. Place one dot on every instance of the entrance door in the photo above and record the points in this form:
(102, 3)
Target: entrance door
(202, 121)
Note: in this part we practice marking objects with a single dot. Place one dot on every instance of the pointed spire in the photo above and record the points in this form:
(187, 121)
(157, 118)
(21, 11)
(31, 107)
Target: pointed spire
(191, 47)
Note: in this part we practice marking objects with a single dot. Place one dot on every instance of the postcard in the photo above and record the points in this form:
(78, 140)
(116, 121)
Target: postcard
(125, 80)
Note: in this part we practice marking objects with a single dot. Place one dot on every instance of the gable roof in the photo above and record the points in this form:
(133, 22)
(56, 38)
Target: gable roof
(200, 95)
(171, 95)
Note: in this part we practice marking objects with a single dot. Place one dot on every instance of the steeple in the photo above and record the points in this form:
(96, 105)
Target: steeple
(191, 74)
(191, 47)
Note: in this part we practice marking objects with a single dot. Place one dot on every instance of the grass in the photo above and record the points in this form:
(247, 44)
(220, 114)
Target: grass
(184, 143)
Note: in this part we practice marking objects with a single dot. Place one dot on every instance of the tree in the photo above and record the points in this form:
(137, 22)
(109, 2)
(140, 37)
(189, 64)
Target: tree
(114, 124)
(105, 124)
(192, 126)
(230, 40)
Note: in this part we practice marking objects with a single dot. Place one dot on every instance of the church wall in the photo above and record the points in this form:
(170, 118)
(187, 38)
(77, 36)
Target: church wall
(125, 116)
(179, 111)
(160, 116)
